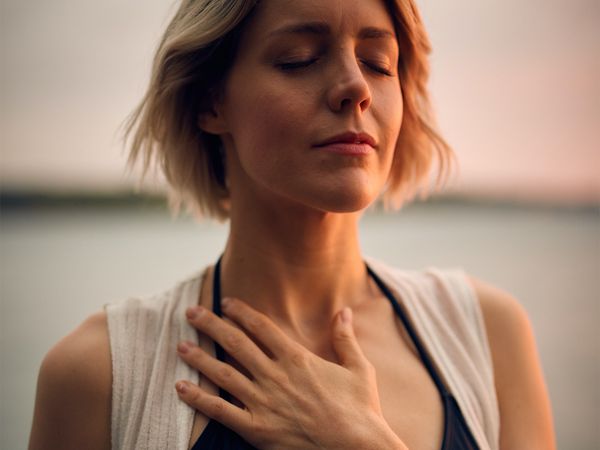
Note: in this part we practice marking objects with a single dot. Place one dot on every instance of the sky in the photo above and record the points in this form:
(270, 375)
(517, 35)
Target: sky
(515, 85)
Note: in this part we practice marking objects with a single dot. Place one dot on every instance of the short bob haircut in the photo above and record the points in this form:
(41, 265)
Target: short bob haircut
(194, 56)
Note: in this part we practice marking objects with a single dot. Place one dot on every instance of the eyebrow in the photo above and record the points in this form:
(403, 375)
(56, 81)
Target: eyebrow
(322, 29)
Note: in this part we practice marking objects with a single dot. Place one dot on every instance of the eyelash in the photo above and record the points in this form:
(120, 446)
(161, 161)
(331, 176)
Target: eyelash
(291, 66)
(296, 65)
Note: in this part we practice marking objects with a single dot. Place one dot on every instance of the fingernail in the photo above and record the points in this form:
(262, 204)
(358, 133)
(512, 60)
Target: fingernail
(183, 347)
(194, 311)
(225, 302)
(346, 315)
(181, 387)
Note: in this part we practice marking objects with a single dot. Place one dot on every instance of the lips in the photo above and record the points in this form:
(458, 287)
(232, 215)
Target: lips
(352, 138)
(351, 144)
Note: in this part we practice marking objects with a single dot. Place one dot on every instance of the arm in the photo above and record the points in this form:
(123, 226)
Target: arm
(72, 406)
(525, 413)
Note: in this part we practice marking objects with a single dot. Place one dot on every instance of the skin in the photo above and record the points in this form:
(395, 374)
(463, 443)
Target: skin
(287, 327)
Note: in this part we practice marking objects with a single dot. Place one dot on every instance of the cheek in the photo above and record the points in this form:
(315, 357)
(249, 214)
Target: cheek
(265, 122)
(389, 115)
(391, 112)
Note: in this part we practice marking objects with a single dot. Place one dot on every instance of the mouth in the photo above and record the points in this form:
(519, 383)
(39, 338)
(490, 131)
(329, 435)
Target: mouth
(349, 143)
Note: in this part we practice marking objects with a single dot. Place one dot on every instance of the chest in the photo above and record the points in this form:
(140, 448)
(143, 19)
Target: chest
(410, 400)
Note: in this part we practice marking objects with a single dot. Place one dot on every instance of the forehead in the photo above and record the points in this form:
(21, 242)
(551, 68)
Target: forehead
(335, 16)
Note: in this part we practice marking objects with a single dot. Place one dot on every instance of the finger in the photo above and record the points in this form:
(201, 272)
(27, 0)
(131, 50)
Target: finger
(233, 340)
(258, 325)
(345, 343)
(214, 407)
(220, 373)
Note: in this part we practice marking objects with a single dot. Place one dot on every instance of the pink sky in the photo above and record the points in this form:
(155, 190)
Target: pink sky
(515, 86)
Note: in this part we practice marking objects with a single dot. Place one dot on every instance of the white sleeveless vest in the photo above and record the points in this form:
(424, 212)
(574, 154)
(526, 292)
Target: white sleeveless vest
(147, 413)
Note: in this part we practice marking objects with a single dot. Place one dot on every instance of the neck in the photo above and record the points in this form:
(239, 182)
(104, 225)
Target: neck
(299, 268)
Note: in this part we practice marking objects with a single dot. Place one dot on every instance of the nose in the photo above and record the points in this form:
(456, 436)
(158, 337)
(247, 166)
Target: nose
(349, 90)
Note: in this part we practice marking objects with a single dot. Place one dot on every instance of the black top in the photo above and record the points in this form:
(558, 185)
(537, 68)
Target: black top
(456, 432)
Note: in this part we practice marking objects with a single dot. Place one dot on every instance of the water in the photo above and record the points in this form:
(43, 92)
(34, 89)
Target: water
(60, 266)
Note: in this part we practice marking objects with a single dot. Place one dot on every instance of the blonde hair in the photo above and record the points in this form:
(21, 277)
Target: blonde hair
(192, 59)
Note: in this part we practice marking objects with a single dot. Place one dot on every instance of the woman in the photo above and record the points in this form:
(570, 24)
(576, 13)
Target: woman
(290, 118)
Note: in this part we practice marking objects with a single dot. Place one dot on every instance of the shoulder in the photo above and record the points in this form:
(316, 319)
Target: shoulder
(509, 331)
(73, 398)
(90, 336)
(502, 313)
(522, 395)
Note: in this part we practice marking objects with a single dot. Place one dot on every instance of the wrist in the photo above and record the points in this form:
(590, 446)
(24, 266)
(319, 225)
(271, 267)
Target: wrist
(393, 441)
(380, 436)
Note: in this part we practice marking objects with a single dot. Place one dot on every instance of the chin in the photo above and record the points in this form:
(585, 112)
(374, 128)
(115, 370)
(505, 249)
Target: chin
(341, 195)
(346, 201)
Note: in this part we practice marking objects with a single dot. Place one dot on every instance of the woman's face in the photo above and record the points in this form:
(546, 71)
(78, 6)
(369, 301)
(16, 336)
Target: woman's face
(312, 107)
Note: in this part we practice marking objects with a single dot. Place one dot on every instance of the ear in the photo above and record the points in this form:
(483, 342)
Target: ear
(212, 120)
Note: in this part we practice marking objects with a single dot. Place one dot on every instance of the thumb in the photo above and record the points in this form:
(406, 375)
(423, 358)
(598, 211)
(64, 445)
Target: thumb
(345, 344)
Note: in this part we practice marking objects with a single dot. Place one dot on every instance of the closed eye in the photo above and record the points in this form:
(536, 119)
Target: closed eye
(296, 65)
(293, 65)
(377, 68)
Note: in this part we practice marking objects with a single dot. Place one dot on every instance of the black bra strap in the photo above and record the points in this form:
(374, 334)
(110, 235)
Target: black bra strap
(413, 335)
(217, 310)
(220, 353)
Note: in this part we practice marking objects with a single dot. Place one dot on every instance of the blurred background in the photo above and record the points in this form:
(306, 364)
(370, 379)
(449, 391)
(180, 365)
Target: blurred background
(516, 87)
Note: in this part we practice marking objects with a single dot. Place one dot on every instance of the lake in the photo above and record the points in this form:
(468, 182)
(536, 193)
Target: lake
(60, 265)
